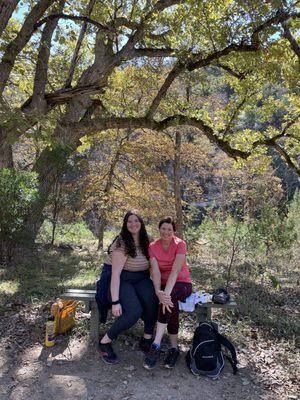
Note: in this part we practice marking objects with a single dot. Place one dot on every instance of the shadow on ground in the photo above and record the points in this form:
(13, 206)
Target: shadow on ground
(73, 370)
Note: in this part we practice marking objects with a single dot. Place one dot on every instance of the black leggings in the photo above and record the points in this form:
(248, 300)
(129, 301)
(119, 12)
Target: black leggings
(138, 299)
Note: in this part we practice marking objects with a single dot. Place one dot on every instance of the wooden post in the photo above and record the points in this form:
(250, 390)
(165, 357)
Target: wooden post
(94, 322)
(201, 314)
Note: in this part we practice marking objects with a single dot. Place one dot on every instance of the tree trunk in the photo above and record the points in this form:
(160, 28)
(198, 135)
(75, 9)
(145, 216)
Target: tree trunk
(56, 207)
(14, 48)
(6, 156)
(177, 192)
(102, 226)
(38, 102)
(52, 160)
(6, 9)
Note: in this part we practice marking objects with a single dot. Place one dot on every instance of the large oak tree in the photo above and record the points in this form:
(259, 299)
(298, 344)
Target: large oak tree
(60, 61)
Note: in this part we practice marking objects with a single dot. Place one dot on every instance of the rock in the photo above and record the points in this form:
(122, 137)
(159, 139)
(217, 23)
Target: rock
(245, 382)
(129, 368)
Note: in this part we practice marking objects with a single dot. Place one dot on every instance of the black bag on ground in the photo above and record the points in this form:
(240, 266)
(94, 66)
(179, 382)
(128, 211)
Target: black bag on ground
(206, 357)
(220, 296)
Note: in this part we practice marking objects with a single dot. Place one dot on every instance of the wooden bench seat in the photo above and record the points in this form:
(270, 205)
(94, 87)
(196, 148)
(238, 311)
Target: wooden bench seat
(203, 311)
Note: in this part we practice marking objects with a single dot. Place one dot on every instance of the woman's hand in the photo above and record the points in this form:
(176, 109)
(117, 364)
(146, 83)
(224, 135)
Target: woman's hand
(116, 310)
(165, 300)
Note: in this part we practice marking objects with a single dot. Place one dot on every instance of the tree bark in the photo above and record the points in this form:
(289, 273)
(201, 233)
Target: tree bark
(88, 12)
(6, 156)
(38, 102)
(6, 9)
(102, 225)
(177, 191)
(14, 48)
(56, 207)
(50, 160)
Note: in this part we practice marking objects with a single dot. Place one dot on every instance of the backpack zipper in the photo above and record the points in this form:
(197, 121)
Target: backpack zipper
(206, 341)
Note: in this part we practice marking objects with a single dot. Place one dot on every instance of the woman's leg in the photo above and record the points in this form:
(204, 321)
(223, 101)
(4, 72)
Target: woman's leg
(146, 294)
(168, 320)
(181, 291)
(131, 310)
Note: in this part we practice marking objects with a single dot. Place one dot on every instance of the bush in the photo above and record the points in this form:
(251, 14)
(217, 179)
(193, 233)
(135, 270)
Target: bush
(18, 190)
(74, 234)
(259, 243)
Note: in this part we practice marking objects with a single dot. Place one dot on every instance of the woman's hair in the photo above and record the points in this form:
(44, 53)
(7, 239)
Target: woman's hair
(126, 237)
(167, 220)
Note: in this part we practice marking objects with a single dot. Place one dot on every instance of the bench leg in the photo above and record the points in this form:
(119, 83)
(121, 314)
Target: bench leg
(87, 307)
(204, 314)
(94, 335)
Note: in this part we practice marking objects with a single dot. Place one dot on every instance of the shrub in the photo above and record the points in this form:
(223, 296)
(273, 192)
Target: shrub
(18, 189)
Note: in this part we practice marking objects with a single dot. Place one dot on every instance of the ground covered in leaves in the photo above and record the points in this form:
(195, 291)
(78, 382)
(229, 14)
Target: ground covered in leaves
(264, 330)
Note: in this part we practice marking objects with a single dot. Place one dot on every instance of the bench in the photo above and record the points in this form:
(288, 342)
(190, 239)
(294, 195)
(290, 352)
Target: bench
(203, 311)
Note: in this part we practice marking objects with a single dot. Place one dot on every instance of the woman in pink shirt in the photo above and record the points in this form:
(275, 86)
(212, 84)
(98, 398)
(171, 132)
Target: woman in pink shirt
(172, 283)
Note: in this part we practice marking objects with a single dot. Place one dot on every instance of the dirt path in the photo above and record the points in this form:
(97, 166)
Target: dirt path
(72, 370)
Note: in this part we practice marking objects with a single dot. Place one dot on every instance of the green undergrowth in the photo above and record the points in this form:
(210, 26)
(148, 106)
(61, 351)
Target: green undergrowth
(47, 273)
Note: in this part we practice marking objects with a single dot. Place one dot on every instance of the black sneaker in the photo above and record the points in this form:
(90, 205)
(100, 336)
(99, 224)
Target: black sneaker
(172, 357)
(145, 345)
(107, 353)
(152, 357)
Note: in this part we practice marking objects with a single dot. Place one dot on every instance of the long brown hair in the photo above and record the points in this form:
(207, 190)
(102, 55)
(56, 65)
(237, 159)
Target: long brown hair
(126, 237)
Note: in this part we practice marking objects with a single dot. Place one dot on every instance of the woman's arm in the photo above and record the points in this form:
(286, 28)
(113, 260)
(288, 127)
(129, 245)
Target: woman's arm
(176, 268)
(156, 279)
(155, 275)
(118, 262)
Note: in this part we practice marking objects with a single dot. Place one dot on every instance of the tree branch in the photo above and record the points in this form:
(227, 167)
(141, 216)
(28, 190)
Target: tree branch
(238, 75)
(38, 101)
(83, 29)
(16, 46)
(287, 158)
(122, 21)
(173, 74)
(272, 140)
(74, 18)
(235, 113)
(279, 17)
(97, 124)
(153, 52)
(63, 96)
(133, 40)
(6, 9)
(294, 44)
(244, 47)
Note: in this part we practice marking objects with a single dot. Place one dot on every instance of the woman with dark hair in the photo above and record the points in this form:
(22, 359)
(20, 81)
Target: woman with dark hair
(172, 282)
(131, 289)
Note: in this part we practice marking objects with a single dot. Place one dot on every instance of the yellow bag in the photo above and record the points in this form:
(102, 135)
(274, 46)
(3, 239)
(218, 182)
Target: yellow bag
(64, 315)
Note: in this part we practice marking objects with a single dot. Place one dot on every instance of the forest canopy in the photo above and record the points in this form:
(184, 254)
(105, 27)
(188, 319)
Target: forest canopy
(227, 71)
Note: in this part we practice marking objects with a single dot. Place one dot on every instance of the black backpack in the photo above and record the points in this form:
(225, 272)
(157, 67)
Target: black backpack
(206, 357)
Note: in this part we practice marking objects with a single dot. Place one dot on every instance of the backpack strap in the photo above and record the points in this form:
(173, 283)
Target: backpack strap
(226, 343)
